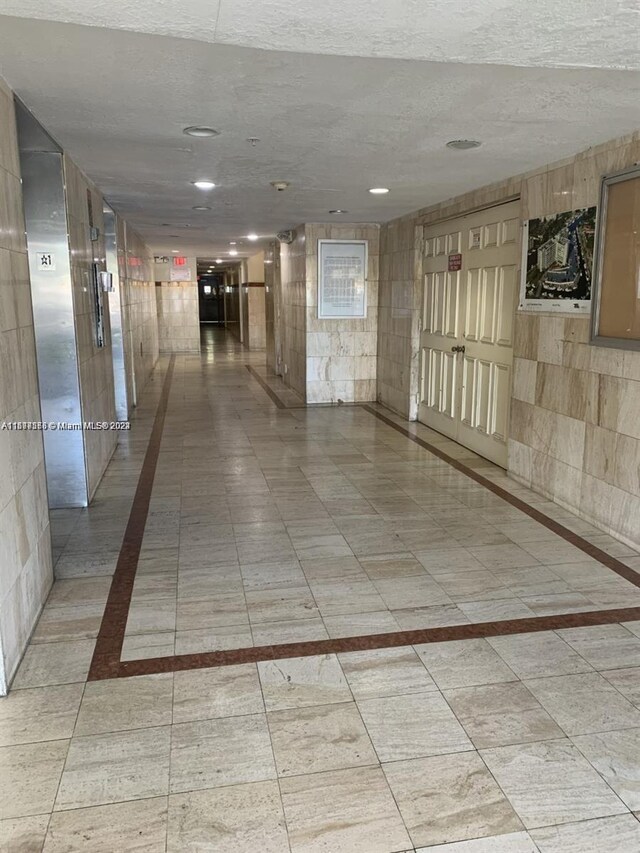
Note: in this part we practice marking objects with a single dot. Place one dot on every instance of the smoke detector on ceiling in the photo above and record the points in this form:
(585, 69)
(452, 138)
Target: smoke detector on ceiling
(463, 144)
(201, 131)
(280, 186)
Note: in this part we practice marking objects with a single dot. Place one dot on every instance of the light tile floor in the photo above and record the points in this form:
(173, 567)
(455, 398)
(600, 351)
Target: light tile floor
(277, 525)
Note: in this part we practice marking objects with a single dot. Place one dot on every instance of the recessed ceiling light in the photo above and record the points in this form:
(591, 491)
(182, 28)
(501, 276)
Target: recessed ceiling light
(203, 184)
(232, 242)
(337, 210)
(252, 237)
(218, 260)
(176, 251)
(233, 252)
(379, 190)
(463, 144)
(201, 131)
(201, 207)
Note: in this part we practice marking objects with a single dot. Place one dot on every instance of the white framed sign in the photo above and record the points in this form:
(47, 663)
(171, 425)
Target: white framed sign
(45, 261)
(557, 262)
(342, 279)
(180, 274)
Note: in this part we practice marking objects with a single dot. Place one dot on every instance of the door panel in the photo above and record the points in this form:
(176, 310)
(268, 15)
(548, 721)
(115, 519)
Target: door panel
(467, 337)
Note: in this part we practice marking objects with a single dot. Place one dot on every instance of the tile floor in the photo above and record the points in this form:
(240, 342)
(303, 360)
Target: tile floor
(271, 525)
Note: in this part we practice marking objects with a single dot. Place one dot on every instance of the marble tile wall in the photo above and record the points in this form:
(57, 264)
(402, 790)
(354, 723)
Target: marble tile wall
(95, 364)
(252, 294)
(178, 316)
(398, 318)
(292, 327)
(232, 302)
(341, 354)
(575, 408)
(26, 572)
(271, 288)
(256, 317)
(139, 309)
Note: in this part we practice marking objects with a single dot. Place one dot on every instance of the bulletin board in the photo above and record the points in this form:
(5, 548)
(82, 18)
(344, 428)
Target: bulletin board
(616, 318)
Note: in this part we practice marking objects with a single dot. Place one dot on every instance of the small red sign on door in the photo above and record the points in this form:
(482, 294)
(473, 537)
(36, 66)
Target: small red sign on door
(455, 262)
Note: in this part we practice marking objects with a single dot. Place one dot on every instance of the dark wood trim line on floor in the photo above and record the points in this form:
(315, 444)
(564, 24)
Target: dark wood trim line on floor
(106, 656)
(106, 661)
(254, 654)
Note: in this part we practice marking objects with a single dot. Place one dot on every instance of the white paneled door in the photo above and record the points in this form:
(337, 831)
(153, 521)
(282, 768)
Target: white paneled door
(470, 291)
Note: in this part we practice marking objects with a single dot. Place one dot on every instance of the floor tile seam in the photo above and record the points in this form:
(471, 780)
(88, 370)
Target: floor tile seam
(107, 803)
(476, 750)
(273, 754)
(557, 633)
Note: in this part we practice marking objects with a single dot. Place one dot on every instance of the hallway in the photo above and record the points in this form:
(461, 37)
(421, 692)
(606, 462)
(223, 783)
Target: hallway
(320, 630)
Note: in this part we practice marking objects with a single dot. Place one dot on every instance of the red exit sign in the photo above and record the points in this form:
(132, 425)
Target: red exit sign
(179, 262)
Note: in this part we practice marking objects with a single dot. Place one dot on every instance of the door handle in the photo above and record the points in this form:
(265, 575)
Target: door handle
(458, 349)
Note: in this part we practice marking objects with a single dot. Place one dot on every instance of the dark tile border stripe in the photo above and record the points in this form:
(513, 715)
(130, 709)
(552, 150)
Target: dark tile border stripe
(106, 661)
(254, 654)
(106, 655)
(592, 550)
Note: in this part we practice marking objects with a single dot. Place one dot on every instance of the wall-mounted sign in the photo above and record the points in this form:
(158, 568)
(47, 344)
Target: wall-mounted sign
(180, 270)
(45, 261)
(455, 262)
(557, 262)
(342, 279)
(475, 240)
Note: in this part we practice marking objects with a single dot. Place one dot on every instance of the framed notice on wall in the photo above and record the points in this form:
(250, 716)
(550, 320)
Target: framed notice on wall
(557, 262)
(342, 279)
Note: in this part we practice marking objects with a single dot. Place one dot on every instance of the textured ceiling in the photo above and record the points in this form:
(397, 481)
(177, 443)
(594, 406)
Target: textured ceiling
(332, 126)
(591, 33)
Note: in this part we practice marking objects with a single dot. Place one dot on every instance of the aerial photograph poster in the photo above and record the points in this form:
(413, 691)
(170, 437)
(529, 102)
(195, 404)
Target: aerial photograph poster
(558, 262)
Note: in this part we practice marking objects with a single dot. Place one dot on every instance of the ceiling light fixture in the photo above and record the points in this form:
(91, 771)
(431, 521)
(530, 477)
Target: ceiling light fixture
(176, 251)
(463, 144)
(252, 237)
(218, 260)
(201, 131)
(378, 190)
(203, 184)
(233, 251)
(337, 210)
(200, 207)
(232, 242)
